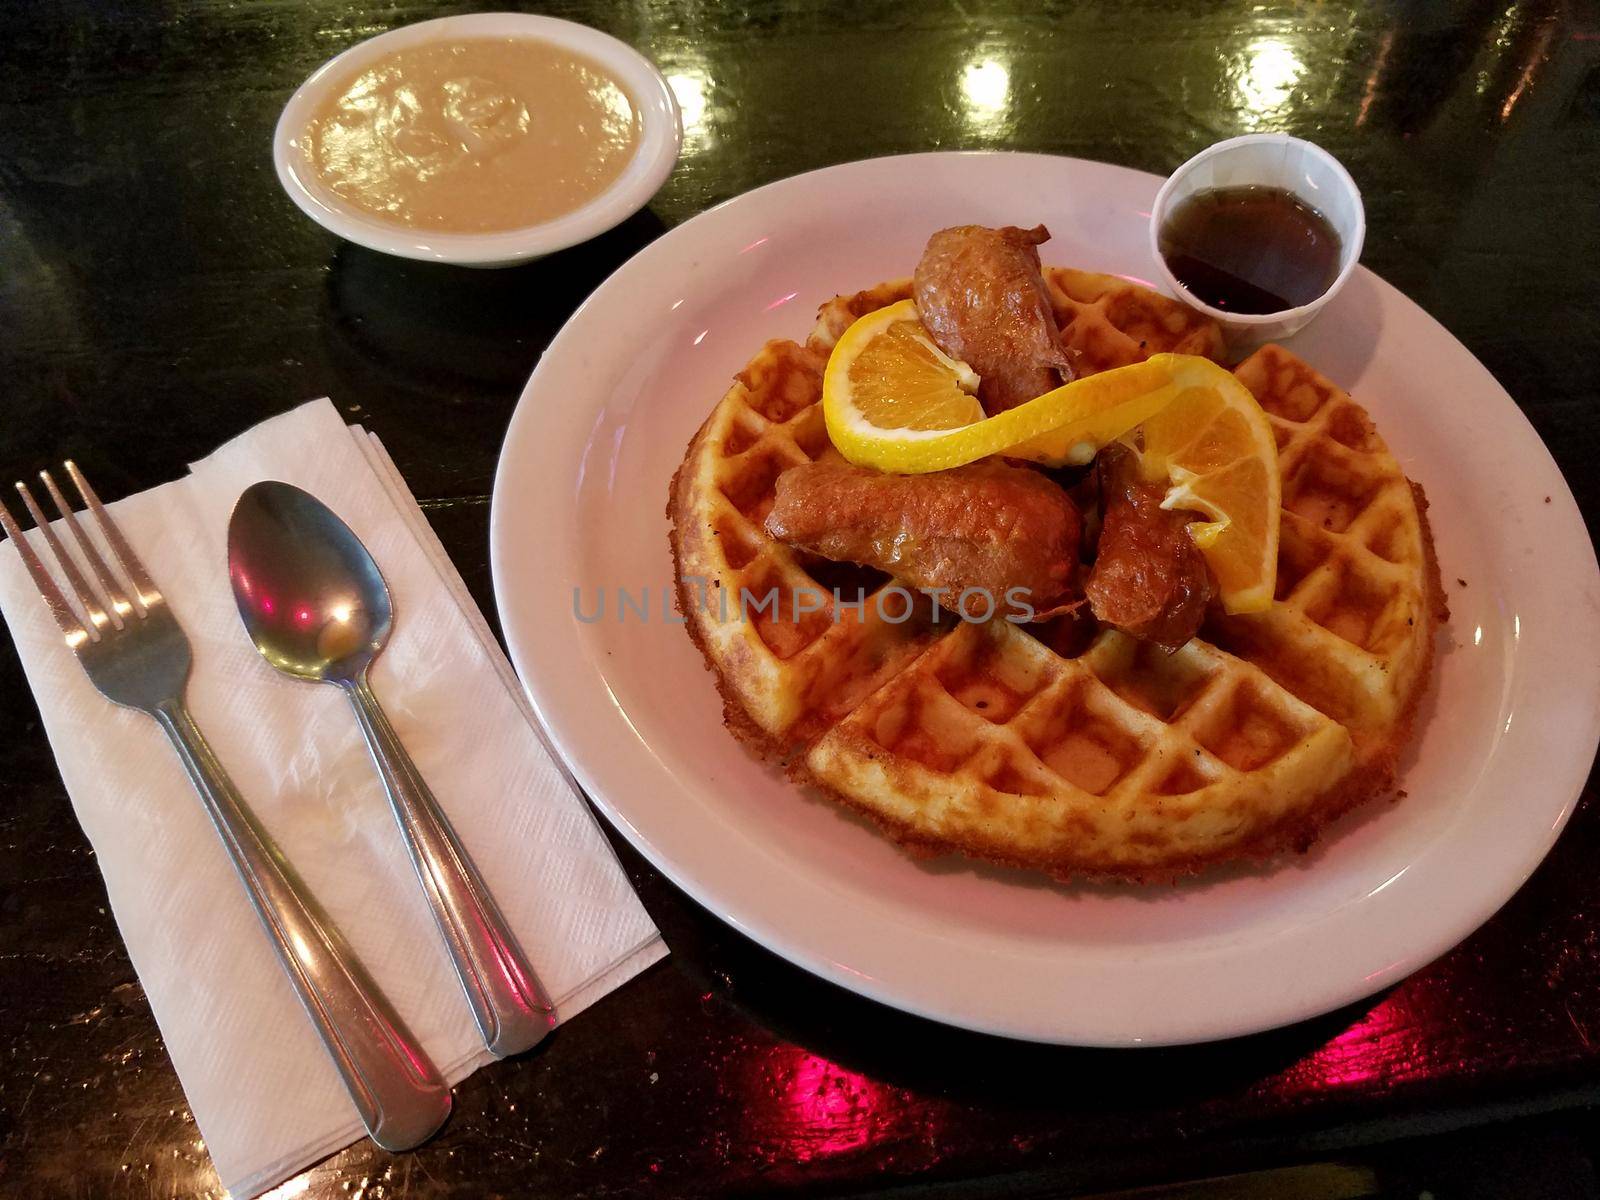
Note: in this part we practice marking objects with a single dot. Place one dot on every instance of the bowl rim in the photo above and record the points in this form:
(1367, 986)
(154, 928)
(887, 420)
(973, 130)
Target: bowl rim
(661, 140)
(1355, 242)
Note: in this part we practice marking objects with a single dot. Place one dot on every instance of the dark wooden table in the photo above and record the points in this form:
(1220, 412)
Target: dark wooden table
(158, 294)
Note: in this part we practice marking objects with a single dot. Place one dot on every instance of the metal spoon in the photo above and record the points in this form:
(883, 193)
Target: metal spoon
(316, 606)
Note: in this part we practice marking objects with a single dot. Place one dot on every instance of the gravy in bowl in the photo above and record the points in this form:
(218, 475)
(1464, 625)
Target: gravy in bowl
(473, 135)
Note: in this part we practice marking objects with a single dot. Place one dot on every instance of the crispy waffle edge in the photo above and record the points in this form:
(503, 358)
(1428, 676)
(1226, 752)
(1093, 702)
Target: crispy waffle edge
(734, 716)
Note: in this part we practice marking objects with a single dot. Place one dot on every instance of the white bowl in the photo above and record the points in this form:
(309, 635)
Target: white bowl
(661, 136)
(1266, 160)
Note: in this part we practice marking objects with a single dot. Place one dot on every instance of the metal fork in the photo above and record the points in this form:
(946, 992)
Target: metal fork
(137, 655)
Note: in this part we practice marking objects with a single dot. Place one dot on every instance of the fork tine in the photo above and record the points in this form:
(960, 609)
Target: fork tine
(84, 594)
(53, 599)
(110, 585)
(145, 592)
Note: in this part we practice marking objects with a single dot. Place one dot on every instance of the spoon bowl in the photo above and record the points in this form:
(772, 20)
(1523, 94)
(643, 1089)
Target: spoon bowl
(311, 597)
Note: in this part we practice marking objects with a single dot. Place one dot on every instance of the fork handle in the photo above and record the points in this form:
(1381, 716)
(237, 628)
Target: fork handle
(506, 1002)
(395, 1086)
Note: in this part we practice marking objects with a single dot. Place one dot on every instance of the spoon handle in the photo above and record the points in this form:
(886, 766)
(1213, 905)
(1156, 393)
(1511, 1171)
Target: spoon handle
(395, 1086)
(511, 1012)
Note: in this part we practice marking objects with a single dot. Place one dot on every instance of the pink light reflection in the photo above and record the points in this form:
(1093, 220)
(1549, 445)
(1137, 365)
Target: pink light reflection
(797, 1113)
(1373, 1047)
(1348, 1059)
(781, 301)
(1384, 970)
(831, 1110)
(799, 1108)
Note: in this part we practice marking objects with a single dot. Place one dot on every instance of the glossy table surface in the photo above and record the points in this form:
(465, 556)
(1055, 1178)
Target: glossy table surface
(159, 293)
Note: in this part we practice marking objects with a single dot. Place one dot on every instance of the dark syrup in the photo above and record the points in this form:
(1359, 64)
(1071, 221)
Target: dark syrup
(1250, 249)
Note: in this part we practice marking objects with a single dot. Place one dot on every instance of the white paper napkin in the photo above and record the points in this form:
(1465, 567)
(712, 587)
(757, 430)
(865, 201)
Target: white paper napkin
(263, 1092)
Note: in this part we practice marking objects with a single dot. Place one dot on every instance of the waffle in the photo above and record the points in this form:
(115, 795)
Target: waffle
(1081, 752)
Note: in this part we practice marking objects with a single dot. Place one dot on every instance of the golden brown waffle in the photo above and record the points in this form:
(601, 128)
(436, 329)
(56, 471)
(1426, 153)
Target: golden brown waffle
(1110, 322)
(1358, 595)
(1116, 760)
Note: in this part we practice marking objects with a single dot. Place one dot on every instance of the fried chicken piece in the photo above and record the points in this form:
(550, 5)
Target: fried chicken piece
(1148, 579)
(981, 295)
(988, 526)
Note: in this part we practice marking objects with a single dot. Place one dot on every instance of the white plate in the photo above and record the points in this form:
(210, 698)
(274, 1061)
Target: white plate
(1508, 731)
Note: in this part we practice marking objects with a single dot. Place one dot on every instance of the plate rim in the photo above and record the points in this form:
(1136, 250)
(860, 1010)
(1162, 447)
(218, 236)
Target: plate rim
(1566, 783)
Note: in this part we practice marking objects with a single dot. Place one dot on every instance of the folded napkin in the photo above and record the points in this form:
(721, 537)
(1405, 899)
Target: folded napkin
(263, 1092)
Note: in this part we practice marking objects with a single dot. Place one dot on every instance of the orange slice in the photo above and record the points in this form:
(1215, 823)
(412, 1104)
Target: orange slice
(893, 400)
(1213, 446)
